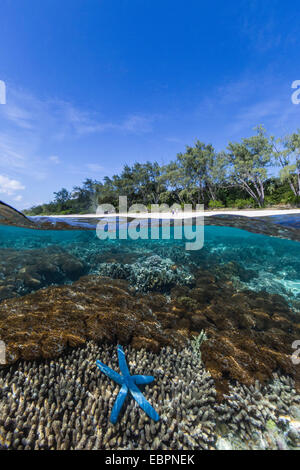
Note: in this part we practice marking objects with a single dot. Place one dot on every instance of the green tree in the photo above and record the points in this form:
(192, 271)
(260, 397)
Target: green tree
(141, 183)
(87, 195)
(287, 155)
(249, 160)
(174, 178)
(62, 196)
(198, 174)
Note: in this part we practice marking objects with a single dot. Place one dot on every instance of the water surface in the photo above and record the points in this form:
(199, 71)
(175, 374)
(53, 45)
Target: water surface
(32, 259)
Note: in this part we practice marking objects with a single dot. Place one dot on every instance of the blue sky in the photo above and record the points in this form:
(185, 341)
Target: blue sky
(94, 84)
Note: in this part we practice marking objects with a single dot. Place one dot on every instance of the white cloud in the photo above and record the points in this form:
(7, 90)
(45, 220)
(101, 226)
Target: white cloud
(94, 167)
(55, 159)
(20, 116)
(278, 115)
(62, 119)
(251, 101)
(10, 186)
(10, 156)
(18, 155)
(32, 130)
(263, 27)
(137, 124)
(84, 123)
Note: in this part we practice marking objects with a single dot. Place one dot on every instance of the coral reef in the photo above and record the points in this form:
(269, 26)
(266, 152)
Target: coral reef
(251, 261)
(241, 289)
(149, 274)
(44, 323)
(24, 271)
(66, 404)
(272, 410)
(249, 334)
(196, 344)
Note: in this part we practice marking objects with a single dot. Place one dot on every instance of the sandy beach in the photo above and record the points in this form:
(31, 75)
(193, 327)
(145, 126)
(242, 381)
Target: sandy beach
(187, 215)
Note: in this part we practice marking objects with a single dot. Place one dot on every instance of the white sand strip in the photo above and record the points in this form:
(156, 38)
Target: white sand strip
(186, 215)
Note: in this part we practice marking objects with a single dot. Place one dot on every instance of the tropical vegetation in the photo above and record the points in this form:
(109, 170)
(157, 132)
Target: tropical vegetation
(256, 172)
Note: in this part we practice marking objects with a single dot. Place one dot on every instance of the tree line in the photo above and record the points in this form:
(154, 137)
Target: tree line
(236, 177)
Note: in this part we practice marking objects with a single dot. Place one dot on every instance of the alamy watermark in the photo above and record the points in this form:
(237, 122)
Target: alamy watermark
(296, 94)
(2, 92)
(154, 224)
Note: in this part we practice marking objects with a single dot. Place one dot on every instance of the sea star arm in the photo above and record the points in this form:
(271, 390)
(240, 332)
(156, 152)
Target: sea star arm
(110, 373)
(142, 379)
(144, 404)
(122, 362)
(118, 404)
(128, 382)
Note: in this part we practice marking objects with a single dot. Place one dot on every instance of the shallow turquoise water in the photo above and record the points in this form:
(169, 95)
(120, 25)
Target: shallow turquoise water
(260, 262)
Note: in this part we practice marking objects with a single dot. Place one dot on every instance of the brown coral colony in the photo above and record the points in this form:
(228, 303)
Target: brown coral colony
(249, 334)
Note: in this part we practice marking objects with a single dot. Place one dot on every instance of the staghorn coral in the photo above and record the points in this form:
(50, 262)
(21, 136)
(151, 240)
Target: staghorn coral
(196, 344)
(260, 416)
(66, 404)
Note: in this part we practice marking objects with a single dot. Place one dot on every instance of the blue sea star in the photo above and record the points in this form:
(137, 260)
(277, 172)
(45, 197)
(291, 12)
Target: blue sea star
(128, 384)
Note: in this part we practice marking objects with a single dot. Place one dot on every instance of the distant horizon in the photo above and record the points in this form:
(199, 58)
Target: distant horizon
(91, 87)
